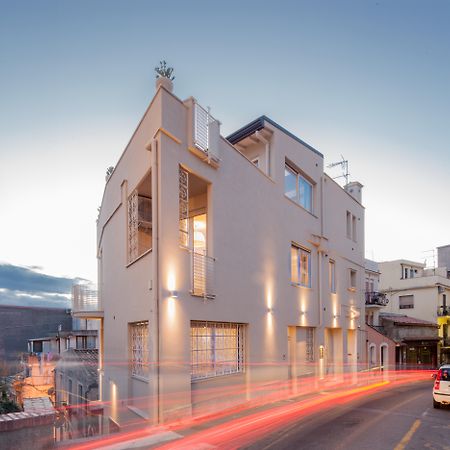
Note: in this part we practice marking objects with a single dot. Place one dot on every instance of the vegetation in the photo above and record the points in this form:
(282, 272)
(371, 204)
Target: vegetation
(7, 405)
(164, 71)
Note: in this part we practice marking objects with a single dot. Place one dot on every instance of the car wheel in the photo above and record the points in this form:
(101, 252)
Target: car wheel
(436, 404)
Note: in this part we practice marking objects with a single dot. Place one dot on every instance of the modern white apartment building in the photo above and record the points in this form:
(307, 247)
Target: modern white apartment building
(224, 264)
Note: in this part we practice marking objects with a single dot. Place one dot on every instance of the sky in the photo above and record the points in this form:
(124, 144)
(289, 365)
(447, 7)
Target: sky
(368, 80)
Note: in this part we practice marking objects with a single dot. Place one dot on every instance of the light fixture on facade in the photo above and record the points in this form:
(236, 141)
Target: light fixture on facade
(302, 313)
(173, 294)
(270, 310)
(336, 316)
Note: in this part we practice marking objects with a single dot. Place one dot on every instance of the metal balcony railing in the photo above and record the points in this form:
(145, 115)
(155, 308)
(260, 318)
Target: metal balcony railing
(443, 311)
(84, 298)
(202, 275)
(376, 298)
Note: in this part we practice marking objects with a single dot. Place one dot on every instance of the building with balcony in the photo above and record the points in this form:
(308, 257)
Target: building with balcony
(225, 265)
(421, 293)
(380, 347)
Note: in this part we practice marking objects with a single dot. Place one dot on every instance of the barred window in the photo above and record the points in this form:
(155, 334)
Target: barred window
(216, 349)
(139, 353)
(309, 344)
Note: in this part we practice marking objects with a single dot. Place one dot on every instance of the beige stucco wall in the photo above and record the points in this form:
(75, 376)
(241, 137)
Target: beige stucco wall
(251, 225)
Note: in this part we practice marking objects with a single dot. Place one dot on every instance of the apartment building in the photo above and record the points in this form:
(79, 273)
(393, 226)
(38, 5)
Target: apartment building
(421, 293)
(381, 348)
(225, 265)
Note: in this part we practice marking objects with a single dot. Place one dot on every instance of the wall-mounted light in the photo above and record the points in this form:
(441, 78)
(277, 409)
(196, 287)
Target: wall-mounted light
(270, 310)
(302, 313)
(336, 316)
(173, 294)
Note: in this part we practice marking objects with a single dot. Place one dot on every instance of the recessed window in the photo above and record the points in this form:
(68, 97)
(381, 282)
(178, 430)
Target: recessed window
(352, 279)
(332, 275)
(406, 301)
(298, 188)
(140, 220)
(300, 266)
(351, 226)
(139, 349)
(217, 348)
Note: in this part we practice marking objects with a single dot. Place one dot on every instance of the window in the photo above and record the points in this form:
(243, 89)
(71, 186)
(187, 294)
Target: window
(140, 220)
(332, 275)
(139, 354)
(406, 301)
(309, 344)
(300, 266)
(183, 205)
(297, 188)
(216, 349)
(70, 387)
(351, 226)
(352, 279)
(80, 394)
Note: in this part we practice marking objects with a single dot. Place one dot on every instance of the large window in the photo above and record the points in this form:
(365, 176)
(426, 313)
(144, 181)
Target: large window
(406, 301)
(216, 349)
(139, 353)
(297, 188)
(300, 266)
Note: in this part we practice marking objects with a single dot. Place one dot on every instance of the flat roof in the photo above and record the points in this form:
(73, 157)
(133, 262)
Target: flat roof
(259, 124)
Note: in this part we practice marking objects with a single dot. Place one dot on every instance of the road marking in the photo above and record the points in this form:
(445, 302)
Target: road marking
(407, 437)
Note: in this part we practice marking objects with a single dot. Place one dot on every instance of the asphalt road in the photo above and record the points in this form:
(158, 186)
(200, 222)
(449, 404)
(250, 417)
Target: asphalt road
(397, 418)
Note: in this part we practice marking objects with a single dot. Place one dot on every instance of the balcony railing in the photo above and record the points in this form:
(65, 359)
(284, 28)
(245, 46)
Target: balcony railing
(376, 298)
(202, 275)
(84, 298)
(443, 311)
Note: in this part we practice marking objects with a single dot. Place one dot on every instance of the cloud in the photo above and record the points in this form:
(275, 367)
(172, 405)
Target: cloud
(24, 286)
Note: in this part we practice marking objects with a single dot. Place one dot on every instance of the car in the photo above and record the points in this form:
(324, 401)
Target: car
(441, 388)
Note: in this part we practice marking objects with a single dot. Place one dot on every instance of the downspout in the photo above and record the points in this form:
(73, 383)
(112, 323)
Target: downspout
(267, 152)
(320, 253)
(155, 244)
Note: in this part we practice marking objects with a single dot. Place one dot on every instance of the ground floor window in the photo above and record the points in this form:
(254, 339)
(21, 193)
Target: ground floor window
(217, 348)
(139, 349)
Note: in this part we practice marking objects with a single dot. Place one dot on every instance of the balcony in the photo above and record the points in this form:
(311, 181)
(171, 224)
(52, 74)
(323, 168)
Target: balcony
(202, 275)
(376, 299)
(443, 311)
(85, 303)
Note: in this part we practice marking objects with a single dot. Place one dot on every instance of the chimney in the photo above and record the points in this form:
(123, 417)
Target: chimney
(355, 190)
(165, 83)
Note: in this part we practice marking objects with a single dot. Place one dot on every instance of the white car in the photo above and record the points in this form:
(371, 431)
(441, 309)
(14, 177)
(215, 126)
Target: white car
(441, 388)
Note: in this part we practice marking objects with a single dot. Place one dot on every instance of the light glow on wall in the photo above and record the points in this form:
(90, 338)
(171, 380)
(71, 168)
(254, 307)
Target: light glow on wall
(113, 392)
(171, 301)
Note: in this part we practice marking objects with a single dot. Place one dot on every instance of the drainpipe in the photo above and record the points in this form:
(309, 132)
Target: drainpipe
(267, 153)
(155, 251)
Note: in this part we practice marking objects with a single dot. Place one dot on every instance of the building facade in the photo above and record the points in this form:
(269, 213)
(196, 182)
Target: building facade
(225, 264)
(420, 292)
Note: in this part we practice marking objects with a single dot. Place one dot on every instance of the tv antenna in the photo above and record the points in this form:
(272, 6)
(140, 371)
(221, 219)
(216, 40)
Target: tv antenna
(344, 167)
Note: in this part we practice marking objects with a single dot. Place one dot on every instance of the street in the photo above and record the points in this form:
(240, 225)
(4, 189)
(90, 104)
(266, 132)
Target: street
(396, 418)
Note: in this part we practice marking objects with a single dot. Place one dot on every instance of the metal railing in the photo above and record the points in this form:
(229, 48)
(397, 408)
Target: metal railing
(376, 298)
(204, 130)
(202, 275)
(84, 297)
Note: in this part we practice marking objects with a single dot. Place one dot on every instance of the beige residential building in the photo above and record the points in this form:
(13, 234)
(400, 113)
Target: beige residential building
(225, 264)
(420, 292)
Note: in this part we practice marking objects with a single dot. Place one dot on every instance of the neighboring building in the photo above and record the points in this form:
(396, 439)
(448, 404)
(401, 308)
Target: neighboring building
(416, 339)
(34, 321)
(223, 264)
(380, 348)
(76, 380)
(420, 292)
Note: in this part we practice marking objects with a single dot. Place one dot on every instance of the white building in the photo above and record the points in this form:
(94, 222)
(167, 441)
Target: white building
(224, 263)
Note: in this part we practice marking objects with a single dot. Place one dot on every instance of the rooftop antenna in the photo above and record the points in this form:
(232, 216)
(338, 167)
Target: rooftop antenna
(433, 255)
(344, 167)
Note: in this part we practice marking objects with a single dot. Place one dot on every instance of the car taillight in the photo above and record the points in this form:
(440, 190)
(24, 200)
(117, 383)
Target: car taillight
(437, 383)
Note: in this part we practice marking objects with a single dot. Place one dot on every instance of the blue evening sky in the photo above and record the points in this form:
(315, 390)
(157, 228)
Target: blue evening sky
(365, 79)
